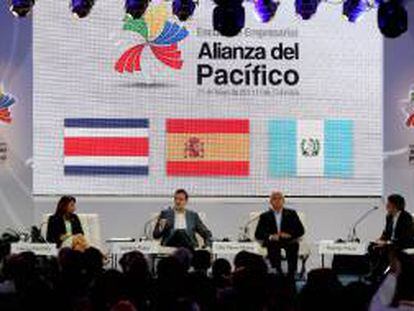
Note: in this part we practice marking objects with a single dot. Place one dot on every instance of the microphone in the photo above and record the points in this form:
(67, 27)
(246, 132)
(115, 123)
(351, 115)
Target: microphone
(352, 237)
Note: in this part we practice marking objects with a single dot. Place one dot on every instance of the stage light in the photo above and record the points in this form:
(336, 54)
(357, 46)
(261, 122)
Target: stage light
(229, 17)
(136, 8)
(353, 9)
(392, 18)
(265, 9)
(20, 8)
(81, 8)
(183, 9)
(306, 8)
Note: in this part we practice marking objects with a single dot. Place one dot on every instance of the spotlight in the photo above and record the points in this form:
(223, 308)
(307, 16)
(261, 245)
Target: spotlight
(183, 9)
(20, 8)
(306, 8)
(229, 17)
(353, 9)
(392, 19)
(266, 9)
(81, 8)
(136, 8)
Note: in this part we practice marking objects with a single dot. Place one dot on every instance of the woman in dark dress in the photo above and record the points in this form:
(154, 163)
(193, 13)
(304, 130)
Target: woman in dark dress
(64, 224)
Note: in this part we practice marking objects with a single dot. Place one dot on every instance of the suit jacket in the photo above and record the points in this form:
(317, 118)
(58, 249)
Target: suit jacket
(56, 228)
(193, 222)
(404, 230)
(290, 224)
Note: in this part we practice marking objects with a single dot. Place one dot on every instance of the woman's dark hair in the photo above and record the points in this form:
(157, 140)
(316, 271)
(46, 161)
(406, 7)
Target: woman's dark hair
(63, 204)
(181, 191)
(398, 201)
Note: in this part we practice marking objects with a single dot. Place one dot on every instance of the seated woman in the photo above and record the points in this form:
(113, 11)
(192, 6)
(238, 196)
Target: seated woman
(64, 227)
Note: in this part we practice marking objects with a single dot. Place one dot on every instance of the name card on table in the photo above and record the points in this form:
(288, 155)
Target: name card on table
(145, 247)
(342, 248)
(40, 249)
(232, 248)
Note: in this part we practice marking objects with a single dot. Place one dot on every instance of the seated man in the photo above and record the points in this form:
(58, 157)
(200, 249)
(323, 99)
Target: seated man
(398, 234)
(177, 227)
(280, 228)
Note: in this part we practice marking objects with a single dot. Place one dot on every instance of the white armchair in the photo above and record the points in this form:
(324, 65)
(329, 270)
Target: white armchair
(90, 225)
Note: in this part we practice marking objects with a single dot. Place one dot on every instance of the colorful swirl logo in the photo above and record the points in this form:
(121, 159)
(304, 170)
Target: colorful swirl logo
(6, 101)
(157, 32)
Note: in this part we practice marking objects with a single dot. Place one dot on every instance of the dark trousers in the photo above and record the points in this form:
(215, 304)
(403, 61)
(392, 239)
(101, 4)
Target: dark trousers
(379, 258)
(180, 238)
(274, 254)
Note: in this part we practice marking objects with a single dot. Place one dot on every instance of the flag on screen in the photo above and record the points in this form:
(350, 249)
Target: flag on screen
(106, 146)
(311, 148)
(208, 147)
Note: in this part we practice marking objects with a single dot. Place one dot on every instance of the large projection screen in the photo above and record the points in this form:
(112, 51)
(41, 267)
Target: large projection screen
(142, 107)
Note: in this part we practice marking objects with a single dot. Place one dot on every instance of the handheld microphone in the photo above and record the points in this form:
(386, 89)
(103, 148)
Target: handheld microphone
(352, 237)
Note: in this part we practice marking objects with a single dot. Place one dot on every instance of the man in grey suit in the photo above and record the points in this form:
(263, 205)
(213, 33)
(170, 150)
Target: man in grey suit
(178, 226)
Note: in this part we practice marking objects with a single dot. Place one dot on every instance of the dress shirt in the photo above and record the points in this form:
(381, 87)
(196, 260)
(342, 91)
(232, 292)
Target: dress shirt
(179, 221)
(278, 219)
(394, 224)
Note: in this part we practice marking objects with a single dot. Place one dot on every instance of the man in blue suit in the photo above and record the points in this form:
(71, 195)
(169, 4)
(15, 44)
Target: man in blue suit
(177, 226)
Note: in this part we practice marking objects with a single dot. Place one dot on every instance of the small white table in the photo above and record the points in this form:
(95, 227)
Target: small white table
(330, 247)
(40, 249)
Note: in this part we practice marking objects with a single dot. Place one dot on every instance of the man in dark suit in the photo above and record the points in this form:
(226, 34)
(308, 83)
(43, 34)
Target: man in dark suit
(280, 228)
(398, 225)
(398, 234)
(178, 226)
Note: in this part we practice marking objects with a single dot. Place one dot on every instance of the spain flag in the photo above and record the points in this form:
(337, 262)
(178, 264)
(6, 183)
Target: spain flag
(208, 147)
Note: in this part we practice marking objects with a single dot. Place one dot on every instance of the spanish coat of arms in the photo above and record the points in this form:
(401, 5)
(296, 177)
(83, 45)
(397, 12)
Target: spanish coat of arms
(194, 148)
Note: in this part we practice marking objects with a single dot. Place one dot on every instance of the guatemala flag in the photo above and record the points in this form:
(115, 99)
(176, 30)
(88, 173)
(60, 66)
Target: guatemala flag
(311, 148)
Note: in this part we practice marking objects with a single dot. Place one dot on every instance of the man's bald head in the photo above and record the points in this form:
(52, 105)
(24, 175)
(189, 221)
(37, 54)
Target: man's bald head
(277, 200)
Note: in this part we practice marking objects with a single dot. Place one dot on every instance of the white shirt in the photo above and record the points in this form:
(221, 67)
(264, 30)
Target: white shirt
(394, 224)
(278, 219)
(179, 221)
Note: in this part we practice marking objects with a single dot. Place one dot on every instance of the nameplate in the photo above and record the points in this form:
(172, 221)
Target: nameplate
(145, 247)
(346, 248)
(232, 248)
(41, 249)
